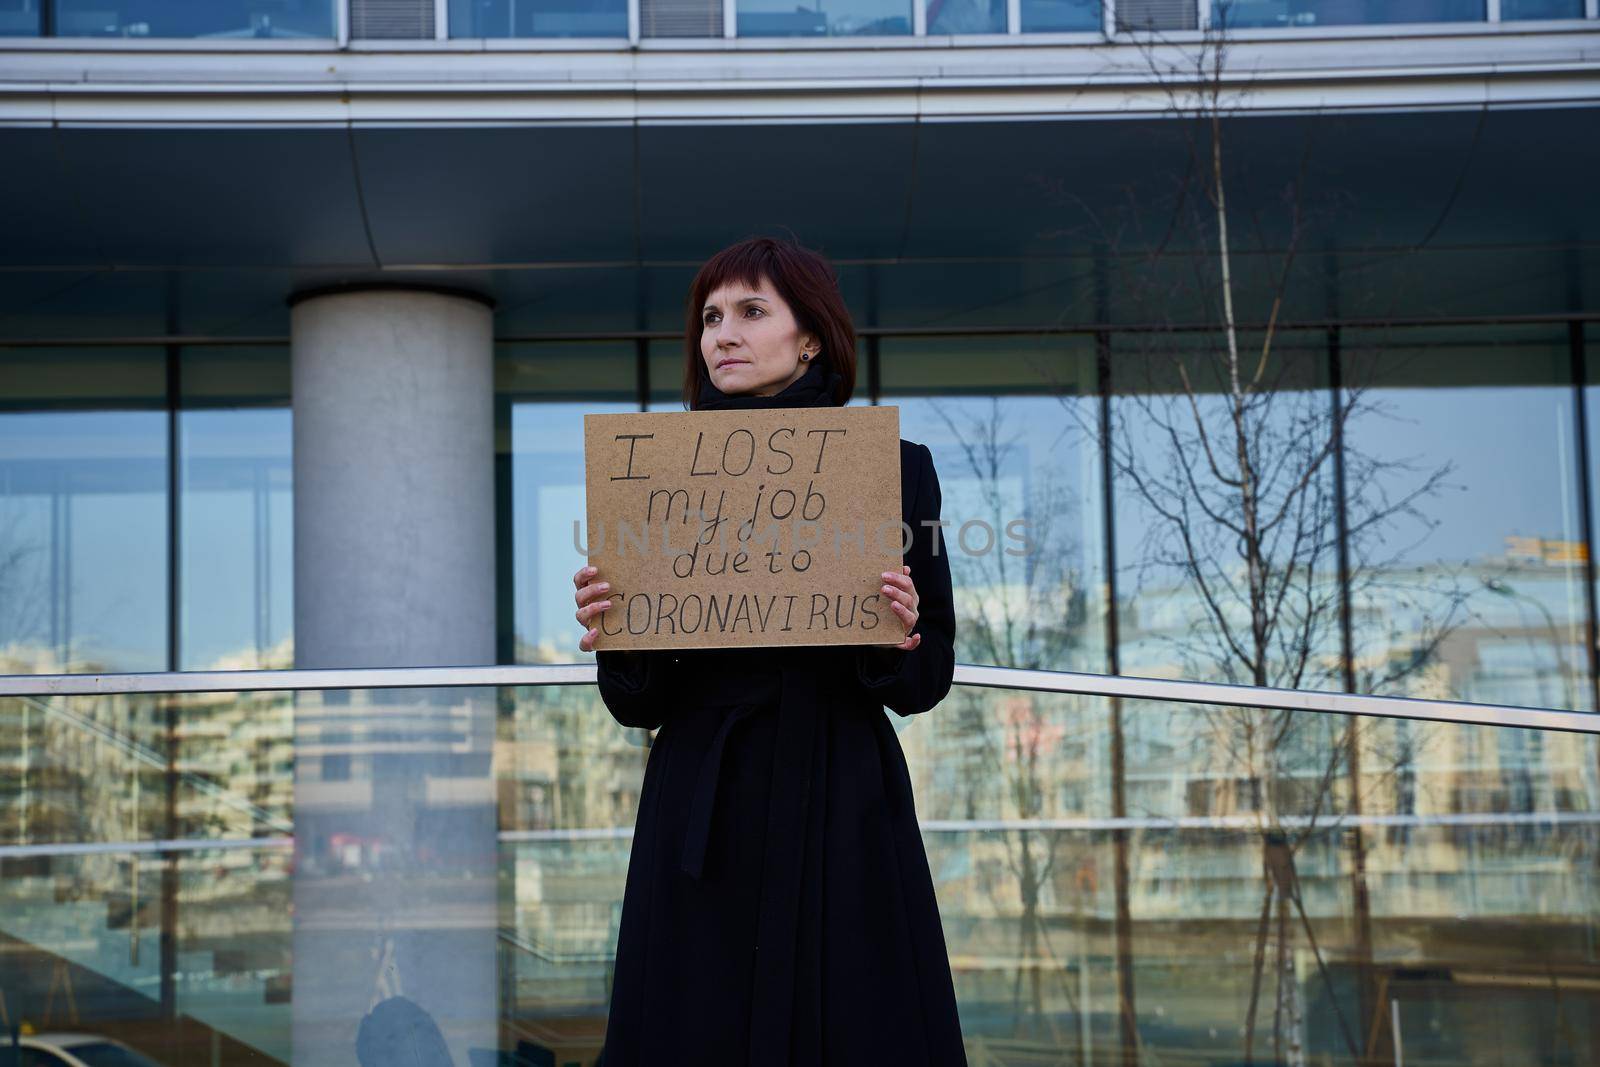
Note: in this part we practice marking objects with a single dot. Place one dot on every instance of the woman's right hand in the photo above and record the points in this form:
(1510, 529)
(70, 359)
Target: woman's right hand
(592, 600)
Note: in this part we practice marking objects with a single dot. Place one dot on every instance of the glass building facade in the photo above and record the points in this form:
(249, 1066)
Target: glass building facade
(533, 19)
(1441, 869)
(1377, 492)
(149, 529)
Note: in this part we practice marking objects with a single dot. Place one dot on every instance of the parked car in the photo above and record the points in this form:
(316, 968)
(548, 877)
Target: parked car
(74, 1050)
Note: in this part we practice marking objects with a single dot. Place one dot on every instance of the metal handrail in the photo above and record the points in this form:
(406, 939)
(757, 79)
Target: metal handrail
(1101, 685)
(146, 848)
(1071, 823)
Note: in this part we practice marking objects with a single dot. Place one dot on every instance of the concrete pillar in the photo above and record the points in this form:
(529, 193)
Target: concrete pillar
(395, 849)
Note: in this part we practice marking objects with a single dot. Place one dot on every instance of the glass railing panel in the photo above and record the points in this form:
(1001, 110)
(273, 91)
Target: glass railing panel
(87, 950)
(234, 942)
(538, 18)
(1242, 14)
(146, 767)
(180, 856)
(175, 18)
(1366, 883)
(263, 877)
(119, 922)
(568, 778)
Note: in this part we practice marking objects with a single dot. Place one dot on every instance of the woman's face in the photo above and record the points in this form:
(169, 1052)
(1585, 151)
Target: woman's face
(750, 341)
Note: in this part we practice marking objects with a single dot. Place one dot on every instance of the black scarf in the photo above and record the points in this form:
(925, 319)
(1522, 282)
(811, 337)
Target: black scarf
(813, 389)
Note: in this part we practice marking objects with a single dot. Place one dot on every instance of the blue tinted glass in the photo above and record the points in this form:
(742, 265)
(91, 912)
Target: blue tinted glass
(83, 511)
(1241, 13)
(1058, 16)
(538, 18)
(549, 388)
(966, 16)
(1012, 425)
(1467, 552)
(237, 539)
(1178, 438)
(785, 18)
(1511, 10)
(177, 18)
(19, 18)
(236, 510)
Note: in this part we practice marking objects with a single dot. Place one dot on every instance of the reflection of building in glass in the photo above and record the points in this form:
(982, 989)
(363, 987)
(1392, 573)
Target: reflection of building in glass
(221, 877)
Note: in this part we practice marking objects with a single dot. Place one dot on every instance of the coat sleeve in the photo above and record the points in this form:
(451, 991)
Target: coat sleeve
(635, 685)
(915, 681)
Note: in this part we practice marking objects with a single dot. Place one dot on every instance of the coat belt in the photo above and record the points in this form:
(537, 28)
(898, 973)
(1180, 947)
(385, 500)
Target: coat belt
(703, 805)
(800, 712)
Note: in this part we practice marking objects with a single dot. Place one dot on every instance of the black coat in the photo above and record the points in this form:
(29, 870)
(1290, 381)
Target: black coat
(779, 911)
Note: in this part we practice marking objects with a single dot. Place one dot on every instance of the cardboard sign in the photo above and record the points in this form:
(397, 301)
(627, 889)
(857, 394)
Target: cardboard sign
(745, 527)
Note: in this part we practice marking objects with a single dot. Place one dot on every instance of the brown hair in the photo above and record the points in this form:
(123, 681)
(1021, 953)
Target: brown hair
(807, 283)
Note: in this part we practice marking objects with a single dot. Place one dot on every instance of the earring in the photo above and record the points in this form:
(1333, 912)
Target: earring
(804, 356)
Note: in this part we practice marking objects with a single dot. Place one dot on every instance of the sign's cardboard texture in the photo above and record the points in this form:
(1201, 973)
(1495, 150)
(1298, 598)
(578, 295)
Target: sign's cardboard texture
(671, 498)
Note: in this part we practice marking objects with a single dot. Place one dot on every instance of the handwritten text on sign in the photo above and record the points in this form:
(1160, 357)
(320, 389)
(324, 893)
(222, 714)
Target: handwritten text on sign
(745, 527)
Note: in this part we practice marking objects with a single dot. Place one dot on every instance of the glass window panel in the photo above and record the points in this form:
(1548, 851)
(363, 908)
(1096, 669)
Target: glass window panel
(1246, 13)
(1012, 425)
(1425, 885)
(75, 379)
(966, 16)
(1061, 16)
(235, 376)
(1467, 553)
(175, 18)
(666, 375)
(550, 387)
(1223, 577)
(237, 510)
(1512, 10)
(538, 18)
(778, 18)
(566, 370)
(237, 541)
(83, 510)
(1591, 407)
(21, 18)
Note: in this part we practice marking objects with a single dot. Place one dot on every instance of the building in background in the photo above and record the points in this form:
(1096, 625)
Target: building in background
(302, 304)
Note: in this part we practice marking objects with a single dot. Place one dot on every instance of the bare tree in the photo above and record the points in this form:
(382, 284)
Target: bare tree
(1020, 606)
(1258, 509)
(23, 588)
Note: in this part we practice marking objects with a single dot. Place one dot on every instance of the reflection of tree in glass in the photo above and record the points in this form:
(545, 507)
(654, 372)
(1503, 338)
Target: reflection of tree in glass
(1026, 611)
(23, 593)
(1019, 606)
(1227, 442)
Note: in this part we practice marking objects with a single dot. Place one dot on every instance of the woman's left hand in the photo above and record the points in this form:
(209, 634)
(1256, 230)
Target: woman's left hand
(902, 596)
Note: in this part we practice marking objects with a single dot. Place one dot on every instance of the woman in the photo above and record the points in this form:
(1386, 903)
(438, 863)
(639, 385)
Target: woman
(779, 909)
